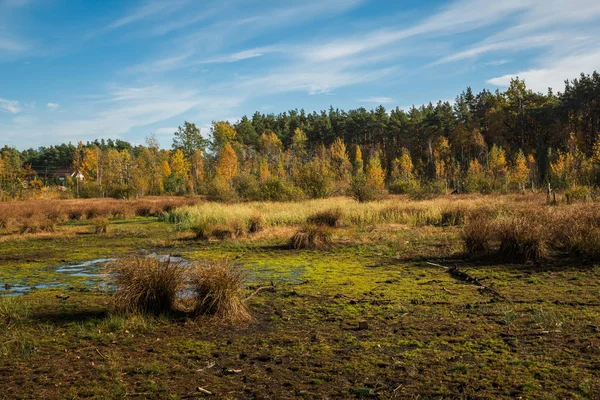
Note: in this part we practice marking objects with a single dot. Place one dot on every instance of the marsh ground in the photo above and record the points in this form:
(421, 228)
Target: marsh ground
(428, 335)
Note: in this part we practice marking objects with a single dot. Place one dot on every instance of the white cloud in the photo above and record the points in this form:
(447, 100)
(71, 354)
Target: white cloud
(164, 131)
(11, 106)
(555, 72)
(377, 100)
(52, 106)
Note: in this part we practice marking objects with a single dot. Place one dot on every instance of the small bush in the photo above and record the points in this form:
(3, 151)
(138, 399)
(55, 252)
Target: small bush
(277, 189)
(256, 224)
(578, 194)
(430, 190)
(404, 187)
(219, 190)
(311, 237)
(476, 235)
(101, 226)
(521, 240)
(217, 291)
(331, 218)
(146, 284)
(246, 186)
(361, 190)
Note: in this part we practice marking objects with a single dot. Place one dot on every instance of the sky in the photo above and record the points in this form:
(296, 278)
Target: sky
(74, 70)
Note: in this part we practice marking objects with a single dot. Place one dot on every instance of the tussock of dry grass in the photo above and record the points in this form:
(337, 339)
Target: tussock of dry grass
(146, 284)
(522, 239)
(217, 291)
(256, 224)
(476, 236)
(101, 226)
(331, 218)
(311, 237)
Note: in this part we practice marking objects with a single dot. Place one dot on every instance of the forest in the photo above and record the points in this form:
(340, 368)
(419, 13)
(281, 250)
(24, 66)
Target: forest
(482, 143)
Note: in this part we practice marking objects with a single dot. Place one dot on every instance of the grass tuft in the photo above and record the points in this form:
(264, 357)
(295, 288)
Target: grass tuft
(476, 235)
(101, 226)
(217, 291)
(312, 237)
(331, 218)
(146, 284)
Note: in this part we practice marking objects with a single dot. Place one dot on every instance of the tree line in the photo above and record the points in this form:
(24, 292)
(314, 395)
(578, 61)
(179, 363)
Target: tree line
(487, 142)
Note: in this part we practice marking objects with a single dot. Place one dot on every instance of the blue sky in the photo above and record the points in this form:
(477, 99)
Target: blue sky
(75, 70)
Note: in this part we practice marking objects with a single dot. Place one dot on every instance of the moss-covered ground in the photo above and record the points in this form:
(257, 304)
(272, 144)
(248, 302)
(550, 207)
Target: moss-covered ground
(367, 317)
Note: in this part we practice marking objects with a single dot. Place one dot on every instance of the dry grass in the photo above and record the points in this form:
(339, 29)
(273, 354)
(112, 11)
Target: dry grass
(331, 218)
(34, 216)
(146, 284)
(101, 226)
(256, 224)
(476, 235)
(311, 237)
(522, 239)
(217, 291)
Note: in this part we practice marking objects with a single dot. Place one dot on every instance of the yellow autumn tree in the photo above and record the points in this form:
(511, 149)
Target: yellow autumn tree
(340, 164)
(519, 173)
(357, 160)
(375, 174)
(227, 164)
(197, 171)
(497, 167)
(403, 168)
(264, 172)
(475, 181)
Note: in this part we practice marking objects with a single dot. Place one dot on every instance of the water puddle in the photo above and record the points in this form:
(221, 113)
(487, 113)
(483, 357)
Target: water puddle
(90, 269)
(89, 275)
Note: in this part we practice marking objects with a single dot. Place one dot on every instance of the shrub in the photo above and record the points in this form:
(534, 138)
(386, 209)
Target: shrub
(476, 235)
(101, 226)
(246, 186)
(277, 189)
(217, 291)
(330, 218)
(404, 187)
(146, 284)
(361, 190)
(311, 237)
(578, 194)
(521, 239)
(256, 224)
(221, 190)
(429, 190)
